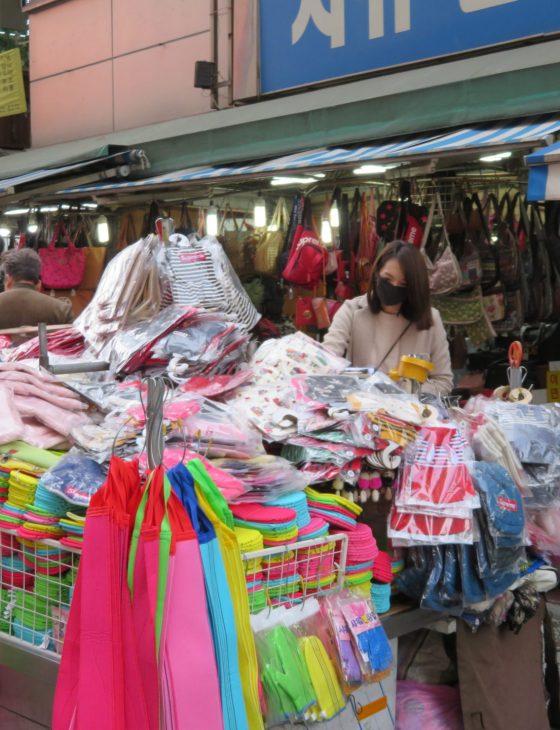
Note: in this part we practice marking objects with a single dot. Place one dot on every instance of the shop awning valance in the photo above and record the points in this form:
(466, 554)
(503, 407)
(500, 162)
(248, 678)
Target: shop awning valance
(110, 161)
(544, 173)
(467, 139)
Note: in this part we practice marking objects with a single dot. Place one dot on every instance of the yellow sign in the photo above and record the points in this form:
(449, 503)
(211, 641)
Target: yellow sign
(553, 386)
(12, 90)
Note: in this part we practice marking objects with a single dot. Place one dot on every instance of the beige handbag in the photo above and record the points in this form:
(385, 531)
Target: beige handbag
(444, 272)
(270, 246)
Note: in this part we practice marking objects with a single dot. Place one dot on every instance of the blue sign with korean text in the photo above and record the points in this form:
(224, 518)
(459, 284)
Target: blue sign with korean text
(309, 41)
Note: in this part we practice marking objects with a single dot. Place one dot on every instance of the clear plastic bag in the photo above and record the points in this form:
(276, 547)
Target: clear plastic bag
(265, 477)
(285, 677)
(129, 291)
(428, 707)
(276, 361)
(369, 637)
(75, 477)
(532, 430)
(435, 473)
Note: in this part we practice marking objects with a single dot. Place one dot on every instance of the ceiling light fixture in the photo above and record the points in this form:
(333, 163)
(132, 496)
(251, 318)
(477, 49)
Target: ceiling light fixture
(277, 181)
(496, 158)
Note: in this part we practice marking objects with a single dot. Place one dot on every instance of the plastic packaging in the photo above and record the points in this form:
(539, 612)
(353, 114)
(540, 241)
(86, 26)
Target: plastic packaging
(129, 291)
(284, 674)
(75, 477)
(368, 635)
(532, 430)
(428, 707)
(276, 361)
(435, 474)
(265, 477)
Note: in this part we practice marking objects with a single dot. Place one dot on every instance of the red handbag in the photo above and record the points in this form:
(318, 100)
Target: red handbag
(315, 312)
(62, 267)
(307, 261)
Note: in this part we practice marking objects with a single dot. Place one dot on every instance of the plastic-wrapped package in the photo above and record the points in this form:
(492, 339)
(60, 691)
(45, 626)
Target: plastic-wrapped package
(319, 391)
(543, 527)
(405, 408)
(276, 361)
(75, 477)
(503, 505)
(269, 407)
(348, 663)
(265, 477)
(284, 674)
(532, 430)
(129, 291)
(216, 386)
(367, 632)
(409, 529)
(542, 486)
(428, 707)
(217, 430)
(322, 672)
(435, 473)
(132, 345)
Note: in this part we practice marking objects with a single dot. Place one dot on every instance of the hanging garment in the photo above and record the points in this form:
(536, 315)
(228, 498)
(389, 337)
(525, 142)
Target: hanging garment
(203, 277)
(220, 606)
(215, 507)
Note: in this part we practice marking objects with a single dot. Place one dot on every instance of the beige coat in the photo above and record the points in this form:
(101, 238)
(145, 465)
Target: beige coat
(365, 338)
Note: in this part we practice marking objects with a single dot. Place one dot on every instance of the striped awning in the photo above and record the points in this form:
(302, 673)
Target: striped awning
(469, 139)
(113, 158)
(544, 173)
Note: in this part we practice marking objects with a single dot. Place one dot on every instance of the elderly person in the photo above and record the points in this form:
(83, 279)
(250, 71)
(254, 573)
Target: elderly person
(22, 304)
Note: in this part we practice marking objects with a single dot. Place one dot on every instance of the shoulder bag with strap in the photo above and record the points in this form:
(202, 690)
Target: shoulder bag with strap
(480, 236)
(509, 264)
(464, 248)
(369, 241)
(268, 249)
(308, 257)
(444, 272)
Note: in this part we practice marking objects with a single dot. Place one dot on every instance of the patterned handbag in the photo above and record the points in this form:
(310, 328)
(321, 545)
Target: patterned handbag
(480, 236)
(62, 267)
(444, 272)
(460, 309)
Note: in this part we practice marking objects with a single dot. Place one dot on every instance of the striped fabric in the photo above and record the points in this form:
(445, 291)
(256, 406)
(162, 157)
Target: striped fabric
(203, 277)
(480, 137)
(544, 174)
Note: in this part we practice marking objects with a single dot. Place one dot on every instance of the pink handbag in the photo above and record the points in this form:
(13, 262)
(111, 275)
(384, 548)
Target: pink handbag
(62, 267)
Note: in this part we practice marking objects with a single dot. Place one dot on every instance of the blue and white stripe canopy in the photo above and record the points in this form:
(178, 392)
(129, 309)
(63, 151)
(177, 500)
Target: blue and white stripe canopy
(544, 173)
(481, 138)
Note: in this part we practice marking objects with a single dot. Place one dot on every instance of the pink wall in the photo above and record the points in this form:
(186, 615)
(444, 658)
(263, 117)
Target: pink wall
(99, 66)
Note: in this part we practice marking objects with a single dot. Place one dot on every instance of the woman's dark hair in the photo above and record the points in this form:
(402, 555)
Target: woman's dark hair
(417, 305)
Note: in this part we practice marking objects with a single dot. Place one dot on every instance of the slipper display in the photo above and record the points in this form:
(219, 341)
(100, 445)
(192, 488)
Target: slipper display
(296, 501)
(250, 541)
(277, 525)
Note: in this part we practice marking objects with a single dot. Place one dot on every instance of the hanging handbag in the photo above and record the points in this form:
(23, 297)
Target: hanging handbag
(307, 261)
(239, 243)
(62, 267)
(463, 246)
(308, 257)
(480, 237)
(509, 264)
(444, 273)
(460, 309)
(369, 241)
(315, 312)
(542, 283)
(185, 227)
(268, 249)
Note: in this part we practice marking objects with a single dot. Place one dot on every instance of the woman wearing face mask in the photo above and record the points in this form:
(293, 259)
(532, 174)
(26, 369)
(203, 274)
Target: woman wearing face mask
(394, 319)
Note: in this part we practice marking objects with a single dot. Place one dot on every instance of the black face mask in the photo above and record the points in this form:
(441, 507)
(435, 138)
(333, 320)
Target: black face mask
(389, 294)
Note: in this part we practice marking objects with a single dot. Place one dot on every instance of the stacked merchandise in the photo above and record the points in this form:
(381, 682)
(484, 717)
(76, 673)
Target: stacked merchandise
(252, 541)
(278, 525)
(362, 557)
